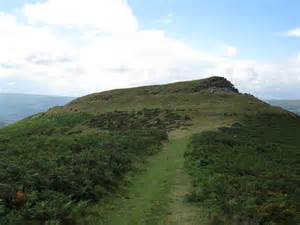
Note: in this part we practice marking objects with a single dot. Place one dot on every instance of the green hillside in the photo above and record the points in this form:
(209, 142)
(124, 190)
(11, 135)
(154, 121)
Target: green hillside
(247, 172)
(152, 155)
(212, 95)
(14, 107)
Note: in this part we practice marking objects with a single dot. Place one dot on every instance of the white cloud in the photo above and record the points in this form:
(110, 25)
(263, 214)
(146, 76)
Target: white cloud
(266, 80)
(70, 48)
(293, 32)
(167, 19)
(231, 51)
(19, 41)
(104, 15)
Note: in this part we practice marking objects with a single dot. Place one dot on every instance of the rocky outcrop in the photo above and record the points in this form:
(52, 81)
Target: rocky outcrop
(218, 82)
(210, 85)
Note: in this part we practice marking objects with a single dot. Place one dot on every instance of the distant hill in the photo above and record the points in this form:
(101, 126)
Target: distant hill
(14, 107)
(291, 105)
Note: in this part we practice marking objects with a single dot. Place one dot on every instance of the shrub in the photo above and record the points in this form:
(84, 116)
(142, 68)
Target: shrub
(248, 172)
(51, 163)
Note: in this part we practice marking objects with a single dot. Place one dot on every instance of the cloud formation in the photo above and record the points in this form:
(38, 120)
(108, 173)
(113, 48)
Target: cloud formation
(231, 51)
(168, 19)
(103, 15)
(294, 32)
(76, 47)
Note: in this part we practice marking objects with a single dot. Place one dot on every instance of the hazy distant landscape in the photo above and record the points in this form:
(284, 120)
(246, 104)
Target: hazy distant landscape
(290, 105)
(14, 107)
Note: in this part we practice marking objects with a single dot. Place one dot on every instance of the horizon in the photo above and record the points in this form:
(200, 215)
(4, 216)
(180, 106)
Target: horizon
(74, 48)
(74, 97)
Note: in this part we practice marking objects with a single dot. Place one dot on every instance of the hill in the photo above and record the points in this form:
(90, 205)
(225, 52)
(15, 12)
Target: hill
(291, 105)
(199, 94)
(119, 157)
(213, 97)
(14, 107)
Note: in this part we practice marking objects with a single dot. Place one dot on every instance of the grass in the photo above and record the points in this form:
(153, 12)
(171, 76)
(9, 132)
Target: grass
(247, 173)
(147, 201)
(203, 95)
(157, 195)
(153, 196)
(72, 157)
(149, 197)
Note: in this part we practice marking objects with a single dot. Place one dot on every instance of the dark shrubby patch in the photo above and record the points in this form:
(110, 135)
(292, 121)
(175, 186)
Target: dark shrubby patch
(147, 118)
(246, 174)
(50, 164)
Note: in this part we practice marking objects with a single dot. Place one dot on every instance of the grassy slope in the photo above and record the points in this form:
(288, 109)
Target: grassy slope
(165, 180)
(248, 172)
(147, 201)
(208, 99)
(205, 96)
(156, 196)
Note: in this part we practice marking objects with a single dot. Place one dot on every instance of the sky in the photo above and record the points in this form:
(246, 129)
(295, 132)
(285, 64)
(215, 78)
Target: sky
(77, 47)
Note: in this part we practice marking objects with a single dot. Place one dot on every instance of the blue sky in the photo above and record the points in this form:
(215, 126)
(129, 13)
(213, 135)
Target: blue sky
(247, 37)
(253, 26)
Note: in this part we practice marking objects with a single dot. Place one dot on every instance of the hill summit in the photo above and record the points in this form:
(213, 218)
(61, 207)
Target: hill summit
(179, 95)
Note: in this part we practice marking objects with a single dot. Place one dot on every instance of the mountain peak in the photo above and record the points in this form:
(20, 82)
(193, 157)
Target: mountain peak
(179, 95)
(218, 82)
(211, 85)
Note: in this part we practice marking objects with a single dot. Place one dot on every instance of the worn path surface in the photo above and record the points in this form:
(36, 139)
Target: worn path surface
(156, 196)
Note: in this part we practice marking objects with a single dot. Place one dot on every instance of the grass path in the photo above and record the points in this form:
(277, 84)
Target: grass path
(156, 196)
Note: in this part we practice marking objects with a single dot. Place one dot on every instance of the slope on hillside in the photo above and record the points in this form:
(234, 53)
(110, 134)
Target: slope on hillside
(206, 94)
(246, 174)
(14, 107)
(83, 152)
(211, 97)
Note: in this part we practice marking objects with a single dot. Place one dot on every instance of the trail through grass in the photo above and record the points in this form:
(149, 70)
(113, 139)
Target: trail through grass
(156, 196)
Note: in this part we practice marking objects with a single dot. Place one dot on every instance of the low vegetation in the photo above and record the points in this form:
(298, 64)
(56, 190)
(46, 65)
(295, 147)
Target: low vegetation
(246, 174)
(53, 164)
